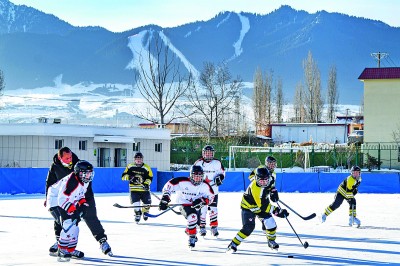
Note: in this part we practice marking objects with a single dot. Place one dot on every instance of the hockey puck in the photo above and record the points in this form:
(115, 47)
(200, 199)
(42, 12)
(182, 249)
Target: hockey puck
(290, 256)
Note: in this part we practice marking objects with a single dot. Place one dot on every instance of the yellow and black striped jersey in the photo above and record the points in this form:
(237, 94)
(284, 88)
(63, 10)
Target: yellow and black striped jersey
(349, 186)
(137, 176)
(256, 198)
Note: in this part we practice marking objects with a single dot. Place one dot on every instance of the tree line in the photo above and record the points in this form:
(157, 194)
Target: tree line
(211, 100)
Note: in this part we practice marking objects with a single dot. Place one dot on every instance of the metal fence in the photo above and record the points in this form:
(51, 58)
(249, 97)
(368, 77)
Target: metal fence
(369, 155)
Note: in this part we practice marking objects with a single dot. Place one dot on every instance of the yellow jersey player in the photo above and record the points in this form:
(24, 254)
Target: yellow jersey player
(346, 190)
(256, 203)
(140, 177)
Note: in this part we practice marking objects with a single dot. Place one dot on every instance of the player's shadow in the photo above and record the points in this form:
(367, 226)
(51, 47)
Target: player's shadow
(128, 260)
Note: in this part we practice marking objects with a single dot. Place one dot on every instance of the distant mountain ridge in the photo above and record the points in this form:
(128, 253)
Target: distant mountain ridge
(36, 47)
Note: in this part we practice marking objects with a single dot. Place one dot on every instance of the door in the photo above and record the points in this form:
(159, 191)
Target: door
(120, 157)
(104, 157)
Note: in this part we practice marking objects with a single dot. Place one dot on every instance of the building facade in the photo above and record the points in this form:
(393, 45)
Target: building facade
(34, 145)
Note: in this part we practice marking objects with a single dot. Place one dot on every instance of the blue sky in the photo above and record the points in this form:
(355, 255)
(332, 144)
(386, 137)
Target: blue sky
(121, 15)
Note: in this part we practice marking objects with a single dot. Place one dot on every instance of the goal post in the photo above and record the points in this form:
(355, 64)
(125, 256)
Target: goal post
(253, 156)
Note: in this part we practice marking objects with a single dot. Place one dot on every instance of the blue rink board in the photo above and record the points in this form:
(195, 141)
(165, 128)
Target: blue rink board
(108, 180)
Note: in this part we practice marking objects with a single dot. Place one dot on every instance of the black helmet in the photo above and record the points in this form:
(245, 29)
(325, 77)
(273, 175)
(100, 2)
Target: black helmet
(208, 153)
(270, 163)
(263, 177)
(84, 170)
(196, 175)
(138, 155)
(355, 168)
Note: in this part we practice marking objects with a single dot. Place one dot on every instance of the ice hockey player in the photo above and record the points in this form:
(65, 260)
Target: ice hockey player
(66, 199)
(63, 164)
(193, 193)
(346, 191)
(270, 164)
(214, 174)
(140, 177)
(256, 203)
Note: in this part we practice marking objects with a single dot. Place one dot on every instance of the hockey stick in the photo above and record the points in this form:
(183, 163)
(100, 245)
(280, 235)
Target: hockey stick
(309, 217)
(305, 245)
(143, 206)
(156, 215)
(177, 212)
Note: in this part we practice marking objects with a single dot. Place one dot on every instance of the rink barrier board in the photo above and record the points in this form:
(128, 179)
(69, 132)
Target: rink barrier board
(108, 180)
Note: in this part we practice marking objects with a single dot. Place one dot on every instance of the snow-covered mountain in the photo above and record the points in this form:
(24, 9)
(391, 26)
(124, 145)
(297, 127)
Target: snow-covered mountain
(40, 53)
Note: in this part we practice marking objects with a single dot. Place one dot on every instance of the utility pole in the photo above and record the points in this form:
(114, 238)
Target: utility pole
(379, 56)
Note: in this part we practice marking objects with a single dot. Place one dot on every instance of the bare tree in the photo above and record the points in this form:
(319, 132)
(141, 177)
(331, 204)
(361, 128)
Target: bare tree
(160, 81)
(212, 98)
(298, 104)
(269, 77)
(259, 102)
(313, 98)
(279, 101)
(2, 82)
(333, 95)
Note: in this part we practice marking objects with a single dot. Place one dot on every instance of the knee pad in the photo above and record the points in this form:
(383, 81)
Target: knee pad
(269, 223)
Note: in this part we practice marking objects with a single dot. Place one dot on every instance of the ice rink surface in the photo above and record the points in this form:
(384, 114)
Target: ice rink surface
(26, 233)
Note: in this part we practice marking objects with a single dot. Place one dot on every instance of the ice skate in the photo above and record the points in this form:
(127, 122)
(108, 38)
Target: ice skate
(354, 220)
(63, 255)
(273, 245)
(203, 231)
(192, 242)
(105, 247)
(137, 218)
(214, 231)
(232, 248)
(53, 250)
(145, 217)
(76, 254)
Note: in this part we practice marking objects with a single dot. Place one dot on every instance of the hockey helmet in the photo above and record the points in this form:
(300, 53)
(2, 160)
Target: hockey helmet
(138, 157)
(208, 153)
(263, 177)
(196, 175)
(270, 163)
(355, 171)
(84, 170)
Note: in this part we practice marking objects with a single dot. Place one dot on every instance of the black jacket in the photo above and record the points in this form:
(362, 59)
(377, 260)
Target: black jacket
(57, 171)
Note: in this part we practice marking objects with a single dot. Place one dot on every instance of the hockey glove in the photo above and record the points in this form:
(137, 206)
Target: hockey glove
(164, 203)
(355, 191)
(218, 179)
(82, 209)
(273, 195)
(281, 213)
(146, 184)
(198, 203)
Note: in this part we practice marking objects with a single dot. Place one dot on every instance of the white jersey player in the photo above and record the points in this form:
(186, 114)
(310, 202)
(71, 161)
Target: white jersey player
(214, 174)
(193, 193)
(67, 202)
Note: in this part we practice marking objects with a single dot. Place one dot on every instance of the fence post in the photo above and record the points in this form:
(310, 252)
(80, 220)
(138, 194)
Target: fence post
(379, 156)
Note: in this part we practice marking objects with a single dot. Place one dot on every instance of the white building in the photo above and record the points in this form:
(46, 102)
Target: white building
(34, 145)
(309, 132)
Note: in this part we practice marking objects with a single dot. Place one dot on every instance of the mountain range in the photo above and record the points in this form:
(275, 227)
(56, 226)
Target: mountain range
(36, 47)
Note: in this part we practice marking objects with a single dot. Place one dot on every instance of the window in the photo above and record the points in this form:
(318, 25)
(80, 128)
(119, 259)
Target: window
(83, 145)
(158, 147)
(136, 146)
(58, 144)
